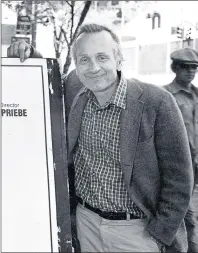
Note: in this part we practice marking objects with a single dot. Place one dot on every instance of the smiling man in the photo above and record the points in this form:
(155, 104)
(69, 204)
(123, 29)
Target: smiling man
(133, 171)
(97, 61)
(184, 65)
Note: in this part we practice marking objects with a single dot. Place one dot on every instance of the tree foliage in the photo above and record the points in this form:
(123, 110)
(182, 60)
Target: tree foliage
(64, 16)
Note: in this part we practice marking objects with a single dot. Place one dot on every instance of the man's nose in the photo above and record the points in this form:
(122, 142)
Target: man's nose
(191, 70)
(94, 66)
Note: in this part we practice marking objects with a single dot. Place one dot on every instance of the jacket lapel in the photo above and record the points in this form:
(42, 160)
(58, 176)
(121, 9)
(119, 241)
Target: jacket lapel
(130, 125)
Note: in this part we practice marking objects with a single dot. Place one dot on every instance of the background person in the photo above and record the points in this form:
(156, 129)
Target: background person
(184, 65)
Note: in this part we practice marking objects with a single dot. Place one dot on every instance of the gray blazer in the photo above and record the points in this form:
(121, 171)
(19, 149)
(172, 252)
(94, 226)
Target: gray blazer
(155, 157)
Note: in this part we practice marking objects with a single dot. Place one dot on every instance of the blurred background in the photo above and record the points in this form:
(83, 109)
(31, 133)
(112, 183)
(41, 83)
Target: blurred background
(148, 30)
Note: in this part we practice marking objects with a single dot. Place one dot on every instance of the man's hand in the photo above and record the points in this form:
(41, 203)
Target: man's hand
(19, 49)
(160, 245)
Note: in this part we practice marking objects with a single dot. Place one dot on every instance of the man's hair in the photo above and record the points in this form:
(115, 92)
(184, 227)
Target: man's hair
(94, 28)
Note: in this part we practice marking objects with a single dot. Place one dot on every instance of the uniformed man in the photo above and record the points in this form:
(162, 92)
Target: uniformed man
(184, 65)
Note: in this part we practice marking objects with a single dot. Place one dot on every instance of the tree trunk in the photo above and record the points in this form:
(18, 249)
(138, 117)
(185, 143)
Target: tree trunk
(67, 63)
(81, 20)
(31, 8)
(82, 17)
(34, 27)
(34, 24)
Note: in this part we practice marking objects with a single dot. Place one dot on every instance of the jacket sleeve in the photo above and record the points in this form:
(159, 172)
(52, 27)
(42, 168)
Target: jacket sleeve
(35, 53)
(176, 171)
(72, 85)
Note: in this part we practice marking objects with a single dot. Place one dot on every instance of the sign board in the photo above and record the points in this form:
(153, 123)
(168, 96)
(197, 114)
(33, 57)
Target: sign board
(29, 201)
(15, 39)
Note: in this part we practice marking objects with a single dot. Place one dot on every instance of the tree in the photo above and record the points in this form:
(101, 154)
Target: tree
(25, 8)
(64, 16)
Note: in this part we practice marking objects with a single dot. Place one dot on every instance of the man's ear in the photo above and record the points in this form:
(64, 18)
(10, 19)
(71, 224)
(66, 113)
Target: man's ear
(119, 65)
(177, 69)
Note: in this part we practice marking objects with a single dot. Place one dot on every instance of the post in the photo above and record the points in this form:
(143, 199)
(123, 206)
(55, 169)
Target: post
(34, 23)
(168, 56)
(122, 19)
(31, 7)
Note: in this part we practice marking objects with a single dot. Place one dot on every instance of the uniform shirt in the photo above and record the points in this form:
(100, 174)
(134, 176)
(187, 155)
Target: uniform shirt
(187, 101)
(98, 174)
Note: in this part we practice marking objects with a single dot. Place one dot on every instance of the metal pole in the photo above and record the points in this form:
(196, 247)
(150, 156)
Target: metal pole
(95, 5)
(34, 23)
(122, 19)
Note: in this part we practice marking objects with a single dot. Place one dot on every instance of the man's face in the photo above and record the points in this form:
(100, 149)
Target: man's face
(96, 61)
(186, 72)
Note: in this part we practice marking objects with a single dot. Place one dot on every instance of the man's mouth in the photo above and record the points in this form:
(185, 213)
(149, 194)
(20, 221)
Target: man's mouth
(95, 77)
(190, 76)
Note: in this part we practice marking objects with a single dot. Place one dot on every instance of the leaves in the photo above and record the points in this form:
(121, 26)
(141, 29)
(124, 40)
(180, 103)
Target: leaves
(65, 17)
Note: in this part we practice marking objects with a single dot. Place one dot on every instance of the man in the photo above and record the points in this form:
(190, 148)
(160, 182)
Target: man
(184, 65)
(133, 171)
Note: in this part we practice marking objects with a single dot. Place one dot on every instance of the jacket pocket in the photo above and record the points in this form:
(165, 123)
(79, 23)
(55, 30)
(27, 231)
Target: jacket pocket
(146, 144)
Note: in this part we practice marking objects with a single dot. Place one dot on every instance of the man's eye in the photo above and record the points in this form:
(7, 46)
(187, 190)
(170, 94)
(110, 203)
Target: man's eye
(84, 60)
(102, 57)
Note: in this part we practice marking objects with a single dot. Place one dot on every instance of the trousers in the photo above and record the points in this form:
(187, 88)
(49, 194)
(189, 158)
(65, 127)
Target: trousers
(191, 223)
(97, 234)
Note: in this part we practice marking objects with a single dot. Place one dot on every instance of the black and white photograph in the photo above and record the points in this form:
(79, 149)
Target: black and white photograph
(99, 117)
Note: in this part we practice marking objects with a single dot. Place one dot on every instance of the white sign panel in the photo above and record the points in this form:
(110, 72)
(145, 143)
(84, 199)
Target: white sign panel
(28, 192)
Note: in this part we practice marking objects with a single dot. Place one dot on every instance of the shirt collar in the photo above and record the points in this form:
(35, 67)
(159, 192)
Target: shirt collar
(176, 87)
(119, 97)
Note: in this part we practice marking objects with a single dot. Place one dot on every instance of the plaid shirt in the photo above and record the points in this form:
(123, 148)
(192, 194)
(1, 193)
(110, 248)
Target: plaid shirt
(98, 174)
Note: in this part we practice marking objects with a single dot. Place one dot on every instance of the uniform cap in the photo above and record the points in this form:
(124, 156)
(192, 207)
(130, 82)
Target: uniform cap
(185, 55)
